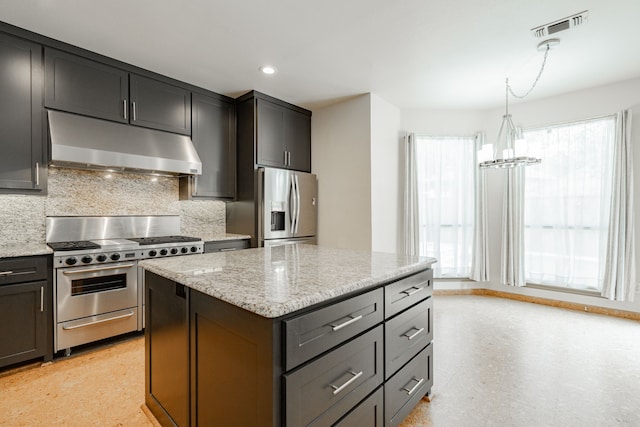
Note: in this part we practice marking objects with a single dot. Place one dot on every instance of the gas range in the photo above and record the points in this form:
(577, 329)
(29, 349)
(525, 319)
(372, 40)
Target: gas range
(104, 251)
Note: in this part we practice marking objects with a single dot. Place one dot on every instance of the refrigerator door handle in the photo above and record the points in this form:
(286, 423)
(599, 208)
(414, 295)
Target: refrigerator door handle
(292, 203)
(297, 204)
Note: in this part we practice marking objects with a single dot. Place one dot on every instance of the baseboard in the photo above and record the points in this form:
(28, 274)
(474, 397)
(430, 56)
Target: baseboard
(543, 301)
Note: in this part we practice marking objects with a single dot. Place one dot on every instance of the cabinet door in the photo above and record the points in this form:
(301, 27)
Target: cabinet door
(82, 86)
(271, 144)
(159, 105)
(298, 140)
(22, 322)
(214, 137)
(21, 115)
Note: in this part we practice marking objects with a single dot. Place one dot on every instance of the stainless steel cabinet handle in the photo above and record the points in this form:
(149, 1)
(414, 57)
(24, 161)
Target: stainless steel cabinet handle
(124, 109)
(412, 291)
(415, 334)
(95, 322)
(91, 270)
(133, 110)
(6, 273)
(337, 389)
(288, 158)
(285, 157)
(415, 387)
(41, 299)
(347, 323)
(37, 174)
(195, 186)
(228, 249)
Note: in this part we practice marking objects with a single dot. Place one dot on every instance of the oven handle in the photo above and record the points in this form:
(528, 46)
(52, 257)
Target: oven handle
(122, 316)
(91, 270)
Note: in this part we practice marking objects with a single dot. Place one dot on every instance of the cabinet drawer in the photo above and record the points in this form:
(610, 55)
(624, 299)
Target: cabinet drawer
(406, 292)
(368, 413)
(321, 392)
(405, 389)
(23, 269)
(226, 245)
(406, 334)
(313, 333)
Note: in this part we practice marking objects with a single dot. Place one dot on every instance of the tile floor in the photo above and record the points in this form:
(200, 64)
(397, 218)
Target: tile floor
(498, 362)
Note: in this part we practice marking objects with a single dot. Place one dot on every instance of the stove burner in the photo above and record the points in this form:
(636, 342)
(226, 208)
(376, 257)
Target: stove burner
(165, 239)
(73, 246)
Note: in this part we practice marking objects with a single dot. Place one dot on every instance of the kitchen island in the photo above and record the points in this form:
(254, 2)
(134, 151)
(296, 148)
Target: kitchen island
(290, 335)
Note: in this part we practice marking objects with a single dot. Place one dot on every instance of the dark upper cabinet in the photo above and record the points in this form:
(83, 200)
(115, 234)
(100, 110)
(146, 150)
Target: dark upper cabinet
(159, 105)
(214, 136)
(83, 86)
(21, 137)
(283, 134)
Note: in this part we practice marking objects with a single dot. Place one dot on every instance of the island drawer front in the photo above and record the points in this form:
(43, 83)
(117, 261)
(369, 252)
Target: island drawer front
(406, 388)
(23, 269)
(406, 292)
(323, 391)
(369, 413)
(406, 334)
(313, 333)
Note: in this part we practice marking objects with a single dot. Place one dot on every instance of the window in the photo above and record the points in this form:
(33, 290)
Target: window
(567, 200)
(446, 168)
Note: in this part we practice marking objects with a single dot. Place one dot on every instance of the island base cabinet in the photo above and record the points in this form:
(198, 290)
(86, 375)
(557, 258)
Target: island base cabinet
(234, 357)
(406, 388)
(167, 347)
(368, 413)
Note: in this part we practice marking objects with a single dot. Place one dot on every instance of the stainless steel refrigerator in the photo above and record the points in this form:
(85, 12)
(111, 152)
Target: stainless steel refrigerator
(283, 209)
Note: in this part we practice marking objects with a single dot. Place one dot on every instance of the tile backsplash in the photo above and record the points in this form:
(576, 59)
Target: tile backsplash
(95, 193)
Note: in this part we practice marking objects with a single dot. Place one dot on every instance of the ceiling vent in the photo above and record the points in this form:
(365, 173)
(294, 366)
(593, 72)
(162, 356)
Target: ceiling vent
(560, 25)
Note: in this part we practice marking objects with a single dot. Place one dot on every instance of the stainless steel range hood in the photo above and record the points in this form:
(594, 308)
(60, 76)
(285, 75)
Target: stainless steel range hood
(85, 143)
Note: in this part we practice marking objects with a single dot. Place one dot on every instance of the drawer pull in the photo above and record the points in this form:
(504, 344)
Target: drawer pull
(415, 387)
(337, 389)
(415, 334)
(413, 290)
(6, 273)
(347, 323)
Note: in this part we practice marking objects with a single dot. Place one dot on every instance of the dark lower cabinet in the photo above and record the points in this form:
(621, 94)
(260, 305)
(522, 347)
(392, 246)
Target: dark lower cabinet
(369, 413)
(226, 245)
(167, 351)
(22, 163)
(25, 310)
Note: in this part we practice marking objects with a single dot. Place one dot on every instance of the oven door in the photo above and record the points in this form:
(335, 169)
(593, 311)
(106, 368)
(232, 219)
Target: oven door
(91, 290)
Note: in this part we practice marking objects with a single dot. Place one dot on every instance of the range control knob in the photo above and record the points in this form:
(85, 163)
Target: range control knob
(101, 258)
(87, 259)
(174, 251)
(194, 249)
(71, 261)
(115, 257)
(184, 250)
(163, 251)
(153, 252)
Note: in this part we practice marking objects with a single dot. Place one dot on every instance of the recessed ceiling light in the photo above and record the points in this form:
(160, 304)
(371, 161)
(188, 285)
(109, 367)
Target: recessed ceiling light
(268, 69)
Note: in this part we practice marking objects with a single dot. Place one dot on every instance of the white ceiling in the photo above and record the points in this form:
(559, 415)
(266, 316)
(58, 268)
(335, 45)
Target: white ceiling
(441, 54)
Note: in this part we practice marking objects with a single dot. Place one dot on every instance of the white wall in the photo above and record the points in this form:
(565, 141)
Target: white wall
(386, 177)
(341, 157)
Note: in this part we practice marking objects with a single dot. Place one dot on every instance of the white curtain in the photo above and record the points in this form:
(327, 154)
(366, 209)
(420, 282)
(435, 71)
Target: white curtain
(512, 265)
(411, 224)
(620, 270)
(480, 251)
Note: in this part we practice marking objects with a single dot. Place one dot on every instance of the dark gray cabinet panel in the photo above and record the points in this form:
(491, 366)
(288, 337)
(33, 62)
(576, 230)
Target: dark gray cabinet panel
(167, 349)
(298, 140)
(23, 149)
(406, 334)
(321, 392)
(158, 105)
(226, 245)
(83, 86)
(214, 136)
(271, 146)
(25, 309)
(406, 292)
(369, 413)
(311, 334)
(406, 388)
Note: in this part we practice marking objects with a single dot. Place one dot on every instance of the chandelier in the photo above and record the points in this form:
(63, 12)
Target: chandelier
(509, 136)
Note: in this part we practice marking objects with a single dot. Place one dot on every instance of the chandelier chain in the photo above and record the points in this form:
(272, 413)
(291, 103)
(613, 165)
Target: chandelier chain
(544, 61)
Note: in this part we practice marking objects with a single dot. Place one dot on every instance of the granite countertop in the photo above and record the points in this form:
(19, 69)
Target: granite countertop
(272, 282)
(24, 249)
(223, 236)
